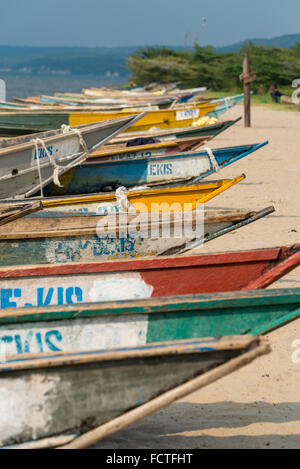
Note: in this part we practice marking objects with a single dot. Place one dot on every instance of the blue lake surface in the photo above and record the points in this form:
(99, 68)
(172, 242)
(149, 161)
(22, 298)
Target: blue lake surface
(22, 85)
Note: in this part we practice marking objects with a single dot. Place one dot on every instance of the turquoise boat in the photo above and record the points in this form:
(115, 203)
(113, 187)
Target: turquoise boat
(225, 104)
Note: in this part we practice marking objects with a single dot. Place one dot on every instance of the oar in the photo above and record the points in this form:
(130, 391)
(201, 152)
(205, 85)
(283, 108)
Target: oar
(181, 249)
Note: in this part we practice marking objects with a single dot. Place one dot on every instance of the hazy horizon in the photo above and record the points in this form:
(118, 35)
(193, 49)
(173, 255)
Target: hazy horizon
(63, 46)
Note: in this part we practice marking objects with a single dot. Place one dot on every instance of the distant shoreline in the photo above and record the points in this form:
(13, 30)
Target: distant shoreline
(22, 86)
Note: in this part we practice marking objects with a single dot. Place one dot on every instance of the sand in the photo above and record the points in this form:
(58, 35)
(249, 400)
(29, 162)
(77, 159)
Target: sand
(257, 406)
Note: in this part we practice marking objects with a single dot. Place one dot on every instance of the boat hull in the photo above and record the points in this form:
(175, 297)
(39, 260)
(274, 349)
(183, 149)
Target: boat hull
(187, 132)
(56, 394)
(133, 169)
(165, 198)
(225, 105)
(78, 238)
(21, 123)
(27, 167)
(107, 325)
(67, 284)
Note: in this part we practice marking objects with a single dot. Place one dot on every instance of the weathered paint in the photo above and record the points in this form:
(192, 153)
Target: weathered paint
(47, 395)
(81, 327)
(20, 163)
(61, 249)
(45, 241)
(67, 336)
(67, 284)
(67, 290)
(145, 168)
(146, 199)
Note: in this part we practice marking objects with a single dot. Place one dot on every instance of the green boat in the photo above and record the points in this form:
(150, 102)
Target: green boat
(89, 326)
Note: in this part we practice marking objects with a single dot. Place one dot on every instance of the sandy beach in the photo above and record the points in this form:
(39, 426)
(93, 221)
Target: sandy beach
(259, 405)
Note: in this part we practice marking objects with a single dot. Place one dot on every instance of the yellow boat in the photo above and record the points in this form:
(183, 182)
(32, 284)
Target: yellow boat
(160, 119)
(160, 199)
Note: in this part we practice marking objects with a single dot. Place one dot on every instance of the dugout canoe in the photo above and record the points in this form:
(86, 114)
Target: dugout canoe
(58, 238)
(51, 399)
(150, 167)
(26, 122)
(27, 165)
(132, 323)
(84, 282)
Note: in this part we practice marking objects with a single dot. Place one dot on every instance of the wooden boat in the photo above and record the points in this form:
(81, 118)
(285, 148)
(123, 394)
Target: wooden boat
(20, 123)
(32, 105)
(133, 323)
(164, 198)
(156, 146)
(84, 282)
(28, 165)
(9, 213)
(59, 238)
(107, 104)
(139, 94)
(134, 168)
(48, 400)
(224, 104)
(188, 132)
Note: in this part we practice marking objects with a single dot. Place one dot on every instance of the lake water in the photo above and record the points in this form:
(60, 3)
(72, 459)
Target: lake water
(22, 86)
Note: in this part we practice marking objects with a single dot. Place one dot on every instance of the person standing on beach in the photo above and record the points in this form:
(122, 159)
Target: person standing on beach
(275, 93)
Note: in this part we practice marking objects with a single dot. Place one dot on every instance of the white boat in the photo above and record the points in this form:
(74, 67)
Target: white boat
(29, 163)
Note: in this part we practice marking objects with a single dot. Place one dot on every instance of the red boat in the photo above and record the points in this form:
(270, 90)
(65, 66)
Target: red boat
(145, 278)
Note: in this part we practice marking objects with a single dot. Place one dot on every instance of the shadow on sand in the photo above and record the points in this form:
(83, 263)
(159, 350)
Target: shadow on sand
(162, 429)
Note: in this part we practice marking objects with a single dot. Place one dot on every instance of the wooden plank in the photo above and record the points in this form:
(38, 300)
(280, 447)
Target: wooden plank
(10, 213)
(32, 361)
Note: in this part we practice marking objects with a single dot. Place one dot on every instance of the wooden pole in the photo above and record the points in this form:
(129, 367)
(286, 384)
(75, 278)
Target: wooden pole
(247, 97)
(247, 77)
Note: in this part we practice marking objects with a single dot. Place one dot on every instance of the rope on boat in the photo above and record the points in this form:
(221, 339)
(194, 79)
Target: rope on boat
(67, 128)
(37, 142)
(123, 203)
(212, 159)
(228, 102)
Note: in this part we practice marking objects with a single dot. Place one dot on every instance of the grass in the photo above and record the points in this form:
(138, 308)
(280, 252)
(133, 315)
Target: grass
(258, 100)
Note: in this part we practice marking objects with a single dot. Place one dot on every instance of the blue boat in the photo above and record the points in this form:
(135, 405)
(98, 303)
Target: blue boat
(225, 104)
(143, 168)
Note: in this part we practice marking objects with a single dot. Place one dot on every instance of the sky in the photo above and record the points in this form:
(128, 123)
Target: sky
(109, 23)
